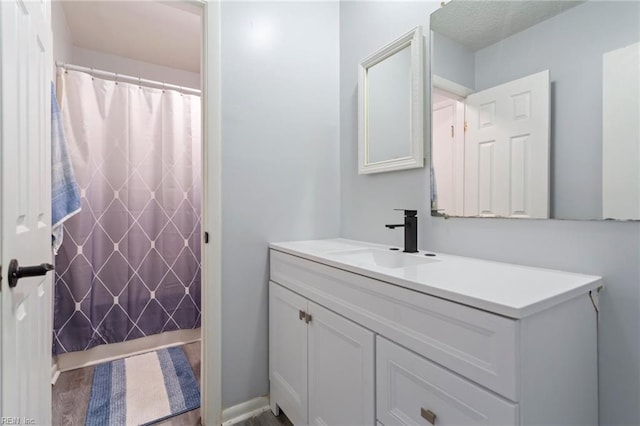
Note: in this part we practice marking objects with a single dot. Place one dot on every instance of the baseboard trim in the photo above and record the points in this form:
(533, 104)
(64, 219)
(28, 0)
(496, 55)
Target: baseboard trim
(105, 353)
(55, 373)
(245, 410)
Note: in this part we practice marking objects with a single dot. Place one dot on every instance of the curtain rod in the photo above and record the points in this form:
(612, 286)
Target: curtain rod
(129, 79)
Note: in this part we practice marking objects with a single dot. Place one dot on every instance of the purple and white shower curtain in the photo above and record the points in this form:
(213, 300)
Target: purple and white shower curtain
(129, 265)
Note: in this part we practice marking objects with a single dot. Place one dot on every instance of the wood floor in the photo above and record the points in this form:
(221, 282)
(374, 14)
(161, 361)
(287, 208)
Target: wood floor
(72, 390)
(267, 419)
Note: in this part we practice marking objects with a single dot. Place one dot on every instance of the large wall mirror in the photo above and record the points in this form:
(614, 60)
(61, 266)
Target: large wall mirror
(536, 109)
(390, 106)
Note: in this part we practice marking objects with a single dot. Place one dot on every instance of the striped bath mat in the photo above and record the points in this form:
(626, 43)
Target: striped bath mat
(142, 389)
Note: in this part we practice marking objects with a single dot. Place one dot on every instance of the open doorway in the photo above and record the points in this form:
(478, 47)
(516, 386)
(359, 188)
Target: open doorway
(127, 307)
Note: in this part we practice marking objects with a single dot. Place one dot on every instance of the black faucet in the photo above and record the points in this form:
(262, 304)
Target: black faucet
(410, 230)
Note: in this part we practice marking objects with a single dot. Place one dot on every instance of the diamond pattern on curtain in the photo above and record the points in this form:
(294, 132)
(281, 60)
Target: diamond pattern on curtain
(129, 265)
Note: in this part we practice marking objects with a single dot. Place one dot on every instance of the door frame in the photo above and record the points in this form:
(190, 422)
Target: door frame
(211, 348)
(211, 354)
(457, 172)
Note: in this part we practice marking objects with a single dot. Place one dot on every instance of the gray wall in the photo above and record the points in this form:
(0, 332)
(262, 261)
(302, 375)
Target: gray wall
(576, 78)
(453, 61)
(610, 249)
(126, 66)
(280, 163)
(61, 35)
(64, 51)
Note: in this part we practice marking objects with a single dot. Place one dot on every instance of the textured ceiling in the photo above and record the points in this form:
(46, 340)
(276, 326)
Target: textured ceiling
(477, 24)
(149, 31)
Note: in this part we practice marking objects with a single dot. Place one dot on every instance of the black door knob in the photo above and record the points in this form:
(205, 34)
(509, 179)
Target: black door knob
(16, 271)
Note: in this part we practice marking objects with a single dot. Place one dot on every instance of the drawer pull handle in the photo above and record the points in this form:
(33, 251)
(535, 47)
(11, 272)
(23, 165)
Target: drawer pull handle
(302, 314)
(428, 415)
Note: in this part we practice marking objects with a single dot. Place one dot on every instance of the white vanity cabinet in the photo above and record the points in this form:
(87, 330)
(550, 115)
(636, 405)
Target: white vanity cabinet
(321, 366)
(512, 346)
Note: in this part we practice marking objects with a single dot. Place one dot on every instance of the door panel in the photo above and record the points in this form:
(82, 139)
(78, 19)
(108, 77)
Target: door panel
(621, 133)
(507, 149)
(288, 352)
(341, 370)
(448, 156)
(25, 207)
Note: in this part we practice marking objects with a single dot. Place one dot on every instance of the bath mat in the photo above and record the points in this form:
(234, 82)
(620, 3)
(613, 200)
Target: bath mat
(142, 389)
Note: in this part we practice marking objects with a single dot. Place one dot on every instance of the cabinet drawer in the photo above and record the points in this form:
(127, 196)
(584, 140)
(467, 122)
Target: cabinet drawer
(409, 385)
(475, 344)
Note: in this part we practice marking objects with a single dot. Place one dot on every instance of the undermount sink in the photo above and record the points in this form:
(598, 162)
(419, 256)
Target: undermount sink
(380, 257)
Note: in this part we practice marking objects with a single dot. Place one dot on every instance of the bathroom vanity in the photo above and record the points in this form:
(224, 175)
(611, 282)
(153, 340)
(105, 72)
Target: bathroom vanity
(362, 335)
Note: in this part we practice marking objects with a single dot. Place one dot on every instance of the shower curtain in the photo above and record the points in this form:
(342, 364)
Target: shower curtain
(129, 265)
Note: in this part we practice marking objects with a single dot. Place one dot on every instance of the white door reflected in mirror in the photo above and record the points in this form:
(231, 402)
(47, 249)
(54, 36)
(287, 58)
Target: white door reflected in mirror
(591, 51)
(621, 133)
(495, 161)
(390, 107)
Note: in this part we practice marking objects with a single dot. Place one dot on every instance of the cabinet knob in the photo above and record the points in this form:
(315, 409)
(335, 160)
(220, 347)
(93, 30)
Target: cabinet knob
(307, 318)
(302, 314)
(428, 415)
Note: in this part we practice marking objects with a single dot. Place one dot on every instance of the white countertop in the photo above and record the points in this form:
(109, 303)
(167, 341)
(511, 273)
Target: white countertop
(513, 291)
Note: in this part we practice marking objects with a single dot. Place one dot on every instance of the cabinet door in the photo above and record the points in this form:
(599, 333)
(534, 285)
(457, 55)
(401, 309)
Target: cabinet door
(341, 370)
(288, 353)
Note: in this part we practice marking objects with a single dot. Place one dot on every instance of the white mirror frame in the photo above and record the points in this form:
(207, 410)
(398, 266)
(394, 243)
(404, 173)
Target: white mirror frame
(412, 38)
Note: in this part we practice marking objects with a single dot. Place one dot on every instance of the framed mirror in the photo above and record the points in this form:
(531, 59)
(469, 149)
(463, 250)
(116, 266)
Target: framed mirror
(536, 109)
(390, 106)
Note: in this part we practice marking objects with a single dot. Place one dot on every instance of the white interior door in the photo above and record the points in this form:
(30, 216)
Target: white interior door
(621, 133)
(507, 149)
(447, 153)
(25, 61)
